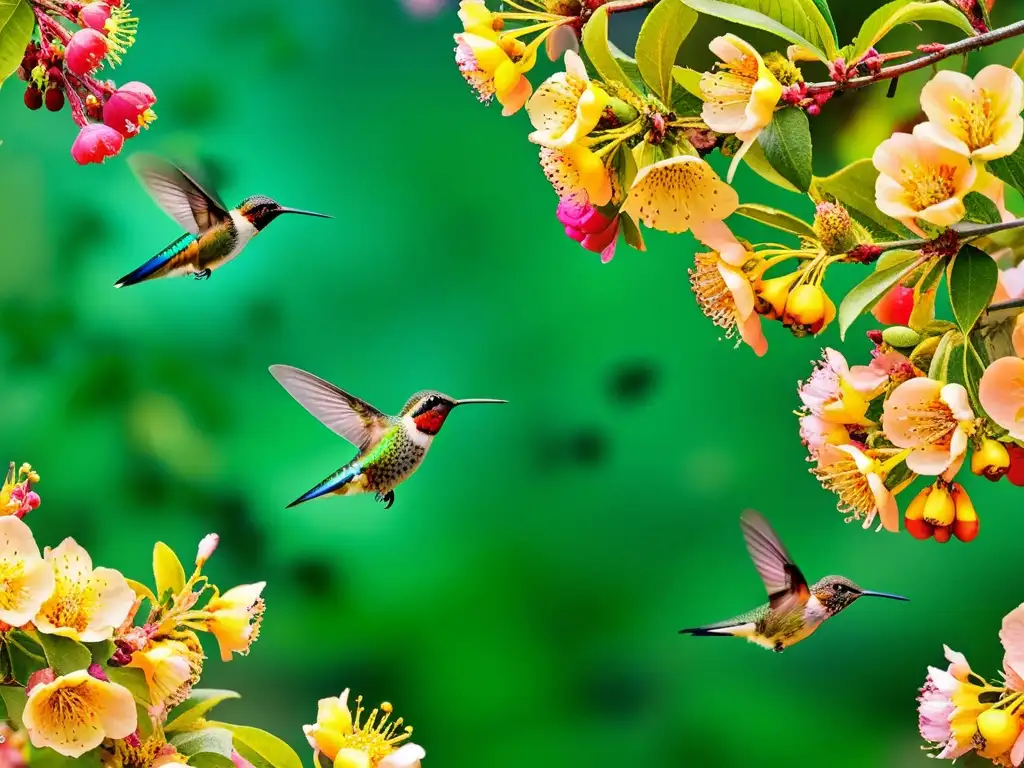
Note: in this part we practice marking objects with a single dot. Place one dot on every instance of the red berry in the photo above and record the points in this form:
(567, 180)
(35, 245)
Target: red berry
(33, 98)
(895, 307)
(813, 110)
(125, 111)
(85, 51)
(95, 143)
(94, 15)
(919, 529)
(54, 99)
(942, 535)
(1016, 472)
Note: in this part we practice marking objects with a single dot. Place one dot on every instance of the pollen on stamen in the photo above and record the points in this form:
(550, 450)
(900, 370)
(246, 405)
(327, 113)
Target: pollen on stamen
(713, 296)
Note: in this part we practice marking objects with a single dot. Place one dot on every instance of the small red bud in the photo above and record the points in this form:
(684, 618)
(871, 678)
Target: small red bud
(813, 110)
(95, 143)
(875, 336)
(94, 16)
(54, 99)
(85, 51)
(41, 677)
(895, 307)
(33, 98)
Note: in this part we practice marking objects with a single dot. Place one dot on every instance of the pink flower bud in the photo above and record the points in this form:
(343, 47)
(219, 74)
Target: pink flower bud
(94, 16)
(95, 670)
(239, 761)
(85, 51)
(128, 109)
(132, 739)
(42, 677)
(95, 143)
(207, 547)
(589, 227)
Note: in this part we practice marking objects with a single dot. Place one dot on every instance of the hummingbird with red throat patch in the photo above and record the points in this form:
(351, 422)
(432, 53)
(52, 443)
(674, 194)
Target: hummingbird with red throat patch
(794, 610)
(391, 448)
(215, 234)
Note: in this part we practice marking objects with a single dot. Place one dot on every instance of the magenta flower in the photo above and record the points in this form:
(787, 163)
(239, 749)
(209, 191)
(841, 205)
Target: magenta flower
(95, 143)
(589, 227)
(85, 51)
(94, 16)
(128, 109)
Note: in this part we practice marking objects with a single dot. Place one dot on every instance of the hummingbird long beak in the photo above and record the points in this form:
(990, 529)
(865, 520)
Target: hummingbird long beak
(478, 400)
(865, 593)
(305, 213)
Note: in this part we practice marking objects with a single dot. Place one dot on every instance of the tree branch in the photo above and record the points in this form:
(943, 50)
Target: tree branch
(888, 73)
(964, 232)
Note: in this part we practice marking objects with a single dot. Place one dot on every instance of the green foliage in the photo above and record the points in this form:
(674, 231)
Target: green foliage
(629, 66)
(759, 164)
(47, 758)
(25, 655)
(262, 749)
(16, 24)
(854, 187)
(197, 705)
(885, 19)
(1010, 169)
(101, 651)
(658, 43)
(1018, 65)
(167, 570)
(689, 79)
(141, 590)
(64, 655)
(631, 233)
(215, 740)
(210, 760)
(980, 209)
(798, 21)
(787, 222)
(597, 47)
(132, 678)
(971, 278)
(786, 142)
(826, 13)
(14, 698)
(866, 294)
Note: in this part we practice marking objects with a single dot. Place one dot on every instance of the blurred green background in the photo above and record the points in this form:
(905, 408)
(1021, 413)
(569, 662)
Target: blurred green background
(520, 602)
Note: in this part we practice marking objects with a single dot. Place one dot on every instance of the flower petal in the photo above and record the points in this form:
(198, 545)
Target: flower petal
(407, 756)
(675, 194)
(1002, 394)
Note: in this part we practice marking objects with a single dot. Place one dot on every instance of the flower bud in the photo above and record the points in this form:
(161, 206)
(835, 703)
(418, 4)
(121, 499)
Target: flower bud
(999, 729)
(128, 108)
(85, 51)
(990, 460)
(901, 336)
(33, 98)
(94, 15)
(206, 548)
(965, 527)
(939, 509)
(95, 143)
(40, 677)
(834, 228)
(942, 535)
(807, 310)
(914, 518)
(95, 670)
(895, 307)
(770, 296)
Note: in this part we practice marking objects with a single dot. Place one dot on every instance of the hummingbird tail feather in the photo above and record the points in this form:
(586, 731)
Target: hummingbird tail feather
(179, 250)
(720, 630)
(333, 484)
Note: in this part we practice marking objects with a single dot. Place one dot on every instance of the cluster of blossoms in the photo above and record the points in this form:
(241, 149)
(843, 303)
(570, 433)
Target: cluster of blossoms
(344, 740)
(961, 712)
(79, 677)
(60, 66)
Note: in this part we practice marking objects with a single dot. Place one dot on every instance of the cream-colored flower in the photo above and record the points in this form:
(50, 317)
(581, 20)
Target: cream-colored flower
(576, 172)
(171, 668)
(1002, 394)
(741, 95)
(679, 194)
(352, 743)
(234, 618)
(920, 179)
(979, 117)
(26, 579)
(76, 712)
(858, 479)
(566, 107)
(87, 604)
(933, 419)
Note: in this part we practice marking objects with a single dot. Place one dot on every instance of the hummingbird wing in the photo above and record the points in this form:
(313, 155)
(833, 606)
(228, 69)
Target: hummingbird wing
(786, 585)
(346, 415)
(178, 194)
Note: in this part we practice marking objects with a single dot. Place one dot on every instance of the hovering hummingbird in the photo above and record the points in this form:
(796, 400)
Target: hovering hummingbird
(215, 235)
(391, 448)
(794, 609)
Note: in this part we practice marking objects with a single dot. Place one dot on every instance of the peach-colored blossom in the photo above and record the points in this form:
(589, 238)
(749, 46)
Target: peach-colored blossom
(1002, 394)
(920, 179)
(858, 479)
(823, 438)
(1010, 285)
(840, 394)
(932, 419)
(979, 117)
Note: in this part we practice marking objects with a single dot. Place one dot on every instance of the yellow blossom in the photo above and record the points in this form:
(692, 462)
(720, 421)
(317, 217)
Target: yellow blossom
(76, 712)
(26, 579)
(679, 194)
(979, 117)
(234, 618)
(87, 604)
(352, 742)
(171, 667)
(741, 95)
(919, 179)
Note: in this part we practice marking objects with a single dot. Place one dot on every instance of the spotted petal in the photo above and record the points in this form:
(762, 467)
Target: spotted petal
(678, 194)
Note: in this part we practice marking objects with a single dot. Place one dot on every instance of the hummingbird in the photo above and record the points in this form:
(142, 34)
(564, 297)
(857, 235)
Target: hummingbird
(215, 235)
(794, 609)
(391, 448)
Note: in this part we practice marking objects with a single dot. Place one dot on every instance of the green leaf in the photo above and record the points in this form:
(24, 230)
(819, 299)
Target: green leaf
(631, 233)
(826, 13)
(881, 22)
(595, 43)
(167, 570)
(270, 749)
(972, 277)
(210, 760)
(980, 209)
(786, 142)
(787, 222)
(24, 657)
(629, 66)
(797, 21)
(689, 79)
(940, 358)
(759, 164)
(854, 187)
(199, 702)
(1018, 65)
(63, 654)
(141, 590)
(101, 651)
(661, 35)
(132, 678)
(1010, 169)
(15, 698)
(16, 24)
(866, 294)
(47, 758)
(216, 740)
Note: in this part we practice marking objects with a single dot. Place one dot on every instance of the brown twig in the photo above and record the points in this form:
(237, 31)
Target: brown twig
(888, 73)
(965, 232)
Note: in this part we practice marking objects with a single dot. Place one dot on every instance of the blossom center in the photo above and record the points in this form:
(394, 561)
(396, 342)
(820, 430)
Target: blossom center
(930, 423)
(928, 185)
(12, 586)
(850, 484)
(379, 736)
(975, 123)
(73, 705)
(472, 73)
(70, 606)
(713, 295)
(734, 80)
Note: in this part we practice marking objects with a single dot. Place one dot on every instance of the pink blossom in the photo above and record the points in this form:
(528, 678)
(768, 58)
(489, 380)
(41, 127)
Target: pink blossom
(1002, 394)
(589, 227)
(85, 51)
(128, 108)
(932, 419)
(95, 143)
(822, 438)
(840, 394)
